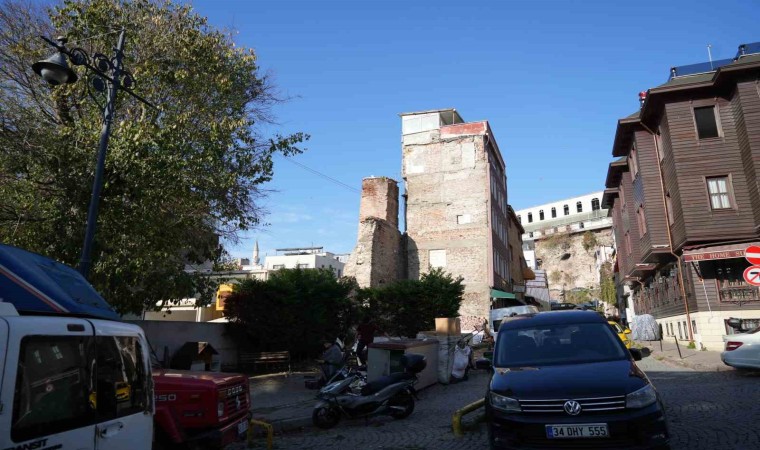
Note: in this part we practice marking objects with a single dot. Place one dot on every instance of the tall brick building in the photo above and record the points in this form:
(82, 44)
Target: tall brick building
(455, 215)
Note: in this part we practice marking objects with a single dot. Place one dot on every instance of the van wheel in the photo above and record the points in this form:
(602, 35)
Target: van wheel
(325, 416)
(401, 405)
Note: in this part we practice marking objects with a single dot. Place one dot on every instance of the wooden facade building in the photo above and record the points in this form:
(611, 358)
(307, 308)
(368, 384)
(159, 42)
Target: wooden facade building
(684, 194)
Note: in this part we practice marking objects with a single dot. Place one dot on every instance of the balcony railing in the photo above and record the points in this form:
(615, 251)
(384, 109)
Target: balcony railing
(565, 220)
(742, 293)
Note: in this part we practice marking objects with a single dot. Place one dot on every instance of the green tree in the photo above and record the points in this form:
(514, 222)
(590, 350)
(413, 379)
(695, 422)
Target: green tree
(407, 307)
(177, 180)
(294, 310)
(608, 292)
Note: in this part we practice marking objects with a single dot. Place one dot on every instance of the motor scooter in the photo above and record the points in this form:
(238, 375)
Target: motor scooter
(392, 395)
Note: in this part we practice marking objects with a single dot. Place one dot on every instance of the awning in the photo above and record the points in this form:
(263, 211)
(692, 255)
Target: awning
(528, 274)
(495, 293)
(727, 251)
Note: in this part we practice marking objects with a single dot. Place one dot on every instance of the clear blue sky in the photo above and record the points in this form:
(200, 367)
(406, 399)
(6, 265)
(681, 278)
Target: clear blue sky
(552, 78)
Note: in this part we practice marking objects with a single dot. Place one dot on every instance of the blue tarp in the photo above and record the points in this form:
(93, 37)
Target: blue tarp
(36, 284)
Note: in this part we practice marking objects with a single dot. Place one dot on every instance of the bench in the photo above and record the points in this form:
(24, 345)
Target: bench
(253, 360)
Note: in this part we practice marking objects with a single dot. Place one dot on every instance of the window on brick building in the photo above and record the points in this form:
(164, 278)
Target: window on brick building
(567, 210)
(437, 258)
(530, 217)
(541, 215)
(554, 213)
(579, 207)
(595, 204)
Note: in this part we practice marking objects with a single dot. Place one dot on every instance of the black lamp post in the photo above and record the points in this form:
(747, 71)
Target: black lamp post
(106, 76)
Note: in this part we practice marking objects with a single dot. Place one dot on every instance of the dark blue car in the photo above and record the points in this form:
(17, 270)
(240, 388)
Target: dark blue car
(564, 380)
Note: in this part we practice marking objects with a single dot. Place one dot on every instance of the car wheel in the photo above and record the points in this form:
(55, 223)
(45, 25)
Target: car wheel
(325, 416)
(401, 405)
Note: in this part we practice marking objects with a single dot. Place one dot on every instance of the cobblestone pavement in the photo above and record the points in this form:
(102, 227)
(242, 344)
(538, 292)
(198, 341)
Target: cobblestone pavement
(706, 410)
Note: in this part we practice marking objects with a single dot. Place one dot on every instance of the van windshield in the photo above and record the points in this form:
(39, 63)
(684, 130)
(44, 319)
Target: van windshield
(548, 345)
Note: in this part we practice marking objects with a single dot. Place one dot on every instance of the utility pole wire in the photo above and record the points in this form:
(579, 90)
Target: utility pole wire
(316, 172)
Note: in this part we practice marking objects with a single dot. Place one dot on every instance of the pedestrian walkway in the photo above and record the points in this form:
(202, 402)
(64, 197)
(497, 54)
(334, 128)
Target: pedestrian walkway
(283, 400)
(668, 352)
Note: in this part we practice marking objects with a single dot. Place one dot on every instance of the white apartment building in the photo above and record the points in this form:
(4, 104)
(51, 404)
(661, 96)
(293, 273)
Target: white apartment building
(574, 214)
(304, 258)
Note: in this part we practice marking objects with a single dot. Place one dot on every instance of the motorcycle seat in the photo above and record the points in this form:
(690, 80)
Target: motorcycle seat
(381, 383)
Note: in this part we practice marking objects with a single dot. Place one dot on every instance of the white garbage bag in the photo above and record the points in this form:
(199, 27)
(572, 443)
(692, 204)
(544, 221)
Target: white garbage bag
(461, 361)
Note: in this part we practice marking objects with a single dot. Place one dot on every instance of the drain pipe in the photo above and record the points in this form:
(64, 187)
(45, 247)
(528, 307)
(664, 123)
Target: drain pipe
(667, 227)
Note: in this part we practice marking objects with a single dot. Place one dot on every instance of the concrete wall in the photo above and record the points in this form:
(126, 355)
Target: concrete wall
(165, 335)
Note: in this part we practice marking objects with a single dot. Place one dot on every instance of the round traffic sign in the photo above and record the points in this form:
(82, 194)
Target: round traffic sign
(752, 275)
(752, 253)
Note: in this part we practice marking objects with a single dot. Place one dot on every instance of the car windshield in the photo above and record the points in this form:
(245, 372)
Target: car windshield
(548, 345)
(617, 327)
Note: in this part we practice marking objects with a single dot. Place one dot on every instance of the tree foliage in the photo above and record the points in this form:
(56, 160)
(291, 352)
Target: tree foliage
(407, 307)
(608, 292)
(294, 310)
(176, 179)
(589, 241)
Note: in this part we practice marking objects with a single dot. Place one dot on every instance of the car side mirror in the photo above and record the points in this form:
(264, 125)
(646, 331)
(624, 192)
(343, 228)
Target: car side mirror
(483, 364)
(636, 353)
(627, 331)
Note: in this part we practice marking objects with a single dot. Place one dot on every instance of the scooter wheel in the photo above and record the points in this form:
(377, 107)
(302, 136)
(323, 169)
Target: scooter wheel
(401, 405)
(325, 417)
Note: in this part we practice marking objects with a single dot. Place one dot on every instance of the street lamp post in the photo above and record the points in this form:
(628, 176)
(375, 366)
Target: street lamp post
(105, 76)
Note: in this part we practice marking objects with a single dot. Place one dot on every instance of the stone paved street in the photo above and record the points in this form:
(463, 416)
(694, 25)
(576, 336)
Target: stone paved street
(706, 410)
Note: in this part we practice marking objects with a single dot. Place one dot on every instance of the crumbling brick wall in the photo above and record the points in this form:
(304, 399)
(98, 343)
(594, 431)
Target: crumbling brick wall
(377, 258)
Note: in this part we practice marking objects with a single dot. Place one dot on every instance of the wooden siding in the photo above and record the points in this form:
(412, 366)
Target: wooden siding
(670, 178)
(694, 160)
(745, 105)
(628, 219)
(649, 194)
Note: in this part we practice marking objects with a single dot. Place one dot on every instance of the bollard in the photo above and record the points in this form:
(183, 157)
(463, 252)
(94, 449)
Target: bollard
(266, 426)
(456, 420)
(678, 347)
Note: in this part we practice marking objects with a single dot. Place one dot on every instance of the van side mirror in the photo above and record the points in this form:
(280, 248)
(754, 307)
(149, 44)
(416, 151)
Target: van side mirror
(636, 353)
(627, 331)
(483, 364)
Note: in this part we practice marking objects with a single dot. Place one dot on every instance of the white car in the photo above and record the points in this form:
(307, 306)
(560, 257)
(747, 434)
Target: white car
(742, 351)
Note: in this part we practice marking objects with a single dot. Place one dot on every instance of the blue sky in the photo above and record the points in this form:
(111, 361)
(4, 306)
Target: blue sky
(551, 77)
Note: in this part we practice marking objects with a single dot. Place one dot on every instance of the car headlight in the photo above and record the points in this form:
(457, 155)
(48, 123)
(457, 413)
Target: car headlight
(504, 403)
(641, 398)
(220, 409)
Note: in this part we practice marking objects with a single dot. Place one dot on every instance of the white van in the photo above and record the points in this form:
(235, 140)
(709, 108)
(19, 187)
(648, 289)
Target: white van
(498, 315)
(70, 378)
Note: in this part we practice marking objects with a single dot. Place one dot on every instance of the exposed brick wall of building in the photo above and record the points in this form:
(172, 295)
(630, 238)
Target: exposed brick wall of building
(448, 211)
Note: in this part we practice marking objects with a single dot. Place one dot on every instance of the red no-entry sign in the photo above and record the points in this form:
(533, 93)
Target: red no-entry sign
(752, 275)
(752, 253)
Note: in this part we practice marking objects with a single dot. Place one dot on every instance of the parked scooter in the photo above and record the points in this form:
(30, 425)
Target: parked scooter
(392, 395)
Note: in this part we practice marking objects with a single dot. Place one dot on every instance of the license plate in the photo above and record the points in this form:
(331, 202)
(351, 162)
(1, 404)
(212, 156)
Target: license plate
(242, 427)
(588, 430)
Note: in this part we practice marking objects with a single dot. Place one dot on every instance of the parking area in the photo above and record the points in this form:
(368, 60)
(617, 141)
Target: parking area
(706, 410)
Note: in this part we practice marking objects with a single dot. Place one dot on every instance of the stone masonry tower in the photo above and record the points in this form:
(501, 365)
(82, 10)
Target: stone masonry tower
(377, 260)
